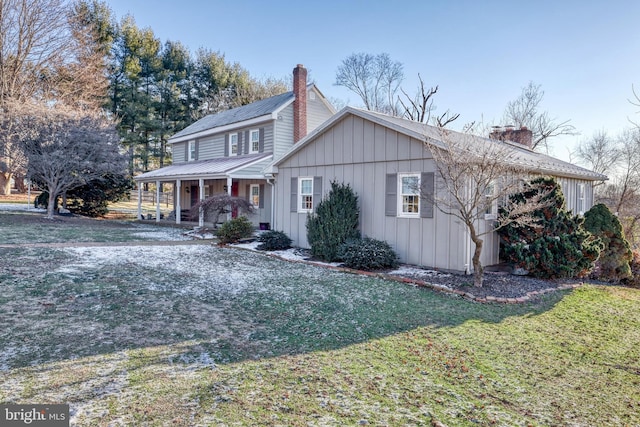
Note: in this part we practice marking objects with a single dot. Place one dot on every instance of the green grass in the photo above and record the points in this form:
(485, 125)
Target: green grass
(199, 335)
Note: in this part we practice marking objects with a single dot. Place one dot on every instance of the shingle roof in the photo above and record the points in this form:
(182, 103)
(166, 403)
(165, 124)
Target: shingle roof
(210, 168)
(236, 115)
(532, 160)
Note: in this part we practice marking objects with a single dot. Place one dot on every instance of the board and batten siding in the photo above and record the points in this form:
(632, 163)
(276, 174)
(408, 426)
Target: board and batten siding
(362, 154)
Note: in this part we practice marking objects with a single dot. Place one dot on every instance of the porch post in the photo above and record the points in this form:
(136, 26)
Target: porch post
(176, 201)
(139, 200)
(158, 187)
(201, 198)
(229, 184)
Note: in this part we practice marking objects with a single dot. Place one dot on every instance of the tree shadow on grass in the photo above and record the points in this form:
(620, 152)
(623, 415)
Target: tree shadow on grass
(251, 306)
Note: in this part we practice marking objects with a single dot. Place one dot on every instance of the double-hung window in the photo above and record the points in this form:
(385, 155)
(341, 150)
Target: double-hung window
(409, 194)
(254, 141)
(233, 144)
(192, 150)
(491, 204)
(254, 195)
(305, 194)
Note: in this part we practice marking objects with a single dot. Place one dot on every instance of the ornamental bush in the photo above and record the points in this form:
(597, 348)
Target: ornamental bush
(634, 279)
(234, 230)
(334, 221)
(273, 241)
(557, 246)
(368, 254)
(613, 263)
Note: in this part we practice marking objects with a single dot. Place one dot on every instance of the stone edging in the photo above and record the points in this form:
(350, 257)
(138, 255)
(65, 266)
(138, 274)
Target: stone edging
(441, 288)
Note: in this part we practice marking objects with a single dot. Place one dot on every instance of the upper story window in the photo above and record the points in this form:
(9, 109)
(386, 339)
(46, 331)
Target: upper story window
(254, 141)
(409, 194)
(192, 150)
(233, 144)
(305, 194)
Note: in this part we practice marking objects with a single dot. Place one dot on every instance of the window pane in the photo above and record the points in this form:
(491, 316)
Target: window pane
(306, 186)
(410, 204)
(409, 185)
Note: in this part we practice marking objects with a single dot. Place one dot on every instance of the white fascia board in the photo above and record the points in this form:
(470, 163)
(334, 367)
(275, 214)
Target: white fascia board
(221, 129)
(182, 178)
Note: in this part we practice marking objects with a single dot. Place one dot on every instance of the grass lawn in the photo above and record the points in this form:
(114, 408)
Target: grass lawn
(200, 335)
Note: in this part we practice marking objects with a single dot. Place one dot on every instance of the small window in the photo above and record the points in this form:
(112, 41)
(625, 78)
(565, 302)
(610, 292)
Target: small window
(254, 195)
(233, 143)
(581, 199)
(192, 150)
(254, 141)
(305, 192)
(491, 204)
(409, 195)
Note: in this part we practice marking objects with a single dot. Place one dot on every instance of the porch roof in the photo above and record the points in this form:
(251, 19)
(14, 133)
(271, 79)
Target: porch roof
(208, 169)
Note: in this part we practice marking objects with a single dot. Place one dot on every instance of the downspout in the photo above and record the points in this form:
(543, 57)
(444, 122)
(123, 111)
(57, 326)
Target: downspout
(271, 182)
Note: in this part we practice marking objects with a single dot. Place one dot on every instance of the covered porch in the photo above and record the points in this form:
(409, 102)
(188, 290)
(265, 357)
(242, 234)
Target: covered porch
(193, 182)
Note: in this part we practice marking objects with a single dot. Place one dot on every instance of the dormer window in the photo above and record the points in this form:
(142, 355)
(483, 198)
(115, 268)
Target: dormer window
(233, 144)
(254, 141)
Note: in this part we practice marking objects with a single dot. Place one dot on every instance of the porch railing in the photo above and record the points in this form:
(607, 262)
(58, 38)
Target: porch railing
(151, 196)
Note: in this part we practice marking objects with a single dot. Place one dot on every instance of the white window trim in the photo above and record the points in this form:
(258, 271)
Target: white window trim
(301, 209)
(402, 214)
(582, 195)
(490, 192)
(192, 150)
(251, 187)
(231, 144)
(251, 132)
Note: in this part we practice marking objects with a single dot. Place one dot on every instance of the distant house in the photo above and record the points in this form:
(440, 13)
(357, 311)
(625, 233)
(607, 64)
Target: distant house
(375, 154)
(227, 151)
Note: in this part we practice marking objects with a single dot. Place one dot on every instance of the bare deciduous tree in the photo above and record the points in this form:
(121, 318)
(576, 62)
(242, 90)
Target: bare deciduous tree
(525, 111)
(374, 78)
(220, 204)
(474, 176)
(600, 152)
(420, 107)
(66, 149)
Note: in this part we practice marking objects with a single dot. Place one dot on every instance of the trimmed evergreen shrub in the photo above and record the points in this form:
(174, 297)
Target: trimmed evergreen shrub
(273, 241)
(613, 263)
(634, 264)
(368, 254)
(559, 246)
(334, 221)
(234, 230)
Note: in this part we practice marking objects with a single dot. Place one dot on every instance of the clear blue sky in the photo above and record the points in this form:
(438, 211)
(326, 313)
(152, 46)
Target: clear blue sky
(585, 54)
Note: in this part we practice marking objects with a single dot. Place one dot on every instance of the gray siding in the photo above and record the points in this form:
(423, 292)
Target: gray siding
(262, 214)
(283, 135)
(317, 112)
(346, 153)
(178, 151)
(211, 147)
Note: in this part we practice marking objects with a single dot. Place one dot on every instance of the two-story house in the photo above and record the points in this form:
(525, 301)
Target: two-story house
(227, 151)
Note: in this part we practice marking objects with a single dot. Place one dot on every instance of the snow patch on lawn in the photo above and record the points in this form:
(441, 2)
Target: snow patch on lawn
(412, 271)
(19, 207)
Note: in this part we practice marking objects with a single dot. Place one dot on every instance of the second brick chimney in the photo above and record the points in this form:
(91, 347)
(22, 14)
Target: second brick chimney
(522, 136)
(299, 103)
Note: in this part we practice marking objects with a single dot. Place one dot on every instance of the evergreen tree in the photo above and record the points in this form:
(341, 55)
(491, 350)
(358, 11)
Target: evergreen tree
(613, 264)
(558, 245)
(334, 222)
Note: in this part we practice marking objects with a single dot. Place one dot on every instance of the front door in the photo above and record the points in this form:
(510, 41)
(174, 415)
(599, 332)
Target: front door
(234, 193)
(195, 195)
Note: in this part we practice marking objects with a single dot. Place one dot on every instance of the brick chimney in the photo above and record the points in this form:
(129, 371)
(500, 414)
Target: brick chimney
(299, 103)
(522, 136)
